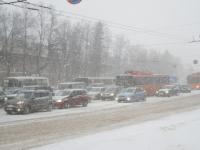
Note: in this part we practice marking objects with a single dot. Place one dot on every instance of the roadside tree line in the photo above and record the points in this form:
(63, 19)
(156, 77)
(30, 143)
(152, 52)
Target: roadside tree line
(45, 43)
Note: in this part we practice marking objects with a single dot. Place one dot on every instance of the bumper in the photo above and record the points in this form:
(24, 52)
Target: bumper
(163, 94)
(59, 105)
(15, 109)
(123, 101)
(109, 97)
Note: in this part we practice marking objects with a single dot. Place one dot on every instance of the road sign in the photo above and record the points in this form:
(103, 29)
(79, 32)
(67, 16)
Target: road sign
(74, 1)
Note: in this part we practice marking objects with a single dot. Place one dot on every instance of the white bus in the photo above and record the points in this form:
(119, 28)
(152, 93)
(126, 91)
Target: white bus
(23, 81)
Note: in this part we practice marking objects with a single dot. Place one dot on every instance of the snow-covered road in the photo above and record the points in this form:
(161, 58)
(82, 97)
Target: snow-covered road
(43, 128)
(92, 107)
(178, 132)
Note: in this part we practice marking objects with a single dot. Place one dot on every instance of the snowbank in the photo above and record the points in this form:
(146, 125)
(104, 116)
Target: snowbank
(178, 132)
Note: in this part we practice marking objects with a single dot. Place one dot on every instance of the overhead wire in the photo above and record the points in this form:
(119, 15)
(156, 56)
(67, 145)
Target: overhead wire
(12, 2)
(83, 17)
(110, 23)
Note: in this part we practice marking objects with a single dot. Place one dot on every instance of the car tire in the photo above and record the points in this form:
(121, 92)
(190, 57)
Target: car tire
(27, 110)
(50, 107)
(9, 112)
(85, 104)
(144, 99)
(66, 105)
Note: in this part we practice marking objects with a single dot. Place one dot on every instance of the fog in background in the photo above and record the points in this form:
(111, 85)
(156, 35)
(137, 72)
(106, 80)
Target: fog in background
(99, 38)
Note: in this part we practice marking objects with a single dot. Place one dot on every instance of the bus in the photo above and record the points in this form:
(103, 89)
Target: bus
(24, 81)
(71, 85)
(193, 81)
(95, 80)
(148, 81)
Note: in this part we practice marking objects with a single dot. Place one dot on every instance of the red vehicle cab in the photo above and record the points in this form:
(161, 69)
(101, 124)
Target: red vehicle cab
(71, 98)
(193, 81)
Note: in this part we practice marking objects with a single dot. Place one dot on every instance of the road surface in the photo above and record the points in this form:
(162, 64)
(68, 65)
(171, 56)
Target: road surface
(37, 129)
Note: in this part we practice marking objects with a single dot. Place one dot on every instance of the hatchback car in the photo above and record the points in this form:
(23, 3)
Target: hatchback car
(185, 89)
(165, 92)
(72, 98)
(131, 94)
(110, 93)
(29, 101)
(174, 89)
(96, 92)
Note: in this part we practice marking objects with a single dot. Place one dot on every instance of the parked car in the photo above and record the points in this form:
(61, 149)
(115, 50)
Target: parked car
(96, 92)
(3, 98)
(59, 96)
(131, 94)
(166, 92)
(110, 93)
(174, 89)
(29, 101)
(185, 89)
(71, 98)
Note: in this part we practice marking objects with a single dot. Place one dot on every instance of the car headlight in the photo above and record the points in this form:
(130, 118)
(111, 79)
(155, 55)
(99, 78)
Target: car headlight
(59, 101)
(112, 94)
(116, 98)
(20, 102)
(5, 99)
(157, 92)
(128, 98)
(167, 92)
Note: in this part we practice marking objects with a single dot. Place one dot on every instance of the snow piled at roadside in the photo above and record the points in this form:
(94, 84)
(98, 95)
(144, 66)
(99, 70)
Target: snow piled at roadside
(178, 132)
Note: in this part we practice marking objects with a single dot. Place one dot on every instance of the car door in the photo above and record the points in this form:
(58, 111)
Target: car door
(78, 98)
(45, 97)
(34, 103)
(2, 98)
(72, 98)
(38, 100)
(139, 94)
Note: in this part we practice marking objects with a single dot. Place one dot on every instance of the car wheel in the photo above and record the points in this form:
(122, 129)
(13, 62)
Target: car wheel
(26, 110)
(66, 105)
(49, 107)
(85, 104)
(144, 99)
(9, 112)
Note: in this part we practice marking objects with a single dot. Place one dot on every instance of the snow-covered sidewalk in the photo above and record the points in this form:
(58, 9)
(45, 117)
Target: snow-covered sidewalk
(178, 132)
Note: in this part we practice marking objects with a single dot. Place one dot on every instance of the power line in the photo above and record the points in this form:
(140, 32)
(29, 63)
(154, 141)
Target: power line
(109, 23)
(13, 2)
(19, 6)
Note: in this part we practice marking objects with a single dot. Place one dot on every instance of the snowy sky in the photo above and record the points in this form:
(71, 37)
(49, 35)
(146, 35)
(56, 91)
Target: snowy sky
(174, 22)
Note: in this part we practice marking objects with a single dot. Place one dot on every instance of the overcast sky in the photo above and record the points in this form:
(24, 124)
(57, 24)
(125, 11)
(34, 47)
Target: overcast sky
(174, 22)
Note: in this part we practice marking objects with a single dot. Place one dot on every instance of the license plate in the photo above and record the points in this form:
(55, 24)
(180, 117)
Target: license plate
(9, 108)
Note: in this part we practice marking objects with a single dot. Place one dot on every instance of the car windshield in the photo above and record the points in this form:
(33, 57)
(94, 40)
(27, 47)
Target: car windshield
(26, 95)
(110, 90)
(10, 92)
(95, 89)
(128, 90)
(62, 93)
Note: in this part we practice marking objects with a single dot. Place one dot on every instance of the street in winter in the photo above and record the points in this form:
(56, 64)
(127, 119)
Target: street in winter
(99, 75)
